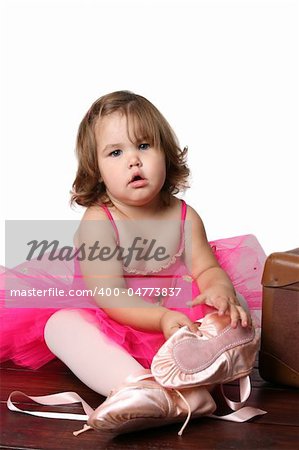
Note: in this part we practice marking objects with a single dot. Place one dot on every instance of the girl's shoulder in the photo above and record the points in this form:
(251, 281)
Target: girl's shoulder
(89, 228)
(197, 225)
(176, 208)
(94, 212)
(173, 209)
(192, 214)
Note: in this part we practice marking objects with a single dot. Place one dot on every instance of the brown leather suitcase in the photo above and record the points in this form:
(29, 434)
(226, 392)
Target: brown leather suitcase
(279, 353)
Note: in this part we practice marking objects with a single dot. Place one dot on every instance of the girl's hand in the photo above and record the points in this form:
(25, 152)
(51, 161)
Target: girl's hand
(171, 321)
(225, 300)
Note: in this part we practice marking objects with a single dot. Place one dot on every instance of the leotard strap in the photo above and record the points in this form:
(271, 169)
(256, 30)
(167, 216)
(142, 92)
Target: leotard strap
(109, 215)
(183, 218)
(184, 211)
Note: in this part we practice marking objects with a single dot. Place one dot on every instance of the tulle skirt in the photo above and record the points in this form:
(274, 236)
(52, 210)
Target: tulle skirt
(23, 316)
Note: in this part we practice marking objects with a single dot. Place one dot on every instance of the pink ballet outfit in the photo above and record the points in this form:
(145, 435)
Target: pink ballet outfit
(22, 329)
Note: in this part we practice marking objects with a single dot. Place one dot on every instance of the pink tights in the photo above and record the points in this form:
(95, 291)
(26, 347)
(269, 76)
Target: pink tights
(75, 338)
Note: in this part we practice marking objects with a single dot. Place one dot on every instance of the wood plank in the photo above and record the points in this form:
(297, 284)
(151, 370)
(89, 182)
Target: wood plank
(40, 433)
(36, 383)
(278, 429)
(54, 366)
(282, 404)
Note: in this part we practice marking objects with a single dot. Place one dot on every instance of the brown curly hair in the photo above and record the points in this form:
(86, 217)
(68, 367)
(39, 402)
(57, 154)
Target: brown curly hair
(147, 122)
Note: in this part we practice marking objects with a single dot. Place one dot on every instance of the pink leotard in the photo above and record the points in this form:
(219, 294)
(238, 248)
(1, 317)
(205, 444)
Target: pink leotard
(140, 344)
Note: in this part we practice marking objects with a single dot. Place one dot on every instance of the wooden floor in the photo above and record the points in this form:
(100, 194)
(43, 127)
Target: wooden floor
(278, 429)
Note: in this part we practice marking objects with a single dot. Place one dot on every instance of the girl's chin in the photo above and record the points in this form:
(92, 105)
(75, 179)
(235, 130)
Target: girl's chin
(136, 198)
(142, 201)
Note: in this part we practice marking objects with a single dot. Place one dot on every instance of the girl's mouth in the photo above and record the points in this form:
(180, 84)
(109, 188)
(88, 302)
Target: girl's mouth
(136, 178)
(137, 182)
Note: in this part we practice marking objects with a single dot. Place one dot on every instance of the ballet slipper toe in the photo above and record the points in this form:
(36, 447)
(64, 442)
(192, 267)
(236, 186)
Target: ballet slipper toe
(146, 404)
(136, 405)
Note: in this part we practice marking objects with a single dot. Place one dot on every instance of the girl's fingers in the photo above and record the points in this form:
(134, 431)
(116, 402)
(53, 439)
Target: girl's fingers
(244, 317)
(193, 327)
(234, 315)
(222, 306)
(229, 306)
(237, 314)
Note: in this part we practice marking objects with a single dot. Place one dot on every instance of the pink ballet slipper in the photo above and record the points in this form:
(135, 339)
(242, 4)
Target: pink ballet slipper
(215, 354)
(144, 404)
(138, 404)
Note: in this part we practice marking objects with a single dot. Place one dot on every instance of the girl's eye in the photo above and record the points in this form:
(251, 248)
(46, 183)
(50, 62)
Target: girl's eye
(144, 146)
(115, 153)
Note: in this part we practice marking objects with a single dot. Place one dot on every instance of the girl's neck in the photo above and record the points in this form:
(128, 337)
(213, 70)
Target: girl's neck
(147, 211)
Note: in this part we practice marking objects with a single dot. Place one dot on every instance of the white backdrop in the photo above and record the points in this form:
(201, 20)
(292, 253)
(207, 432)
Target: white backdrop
(224, 73)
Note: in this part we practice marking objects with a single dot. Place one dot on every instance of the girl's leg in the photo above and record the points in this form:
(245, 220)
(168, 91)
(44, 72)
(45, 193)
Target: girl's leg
(75, 338)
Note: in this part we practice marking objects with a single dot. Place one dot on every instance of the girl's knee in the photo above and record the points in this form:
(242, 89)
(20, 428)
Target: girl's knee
(60, 323)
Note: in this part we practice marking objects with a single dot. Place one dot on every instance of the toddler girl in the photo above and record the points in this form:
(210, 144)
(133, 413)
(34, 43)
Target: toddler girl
(150, 267)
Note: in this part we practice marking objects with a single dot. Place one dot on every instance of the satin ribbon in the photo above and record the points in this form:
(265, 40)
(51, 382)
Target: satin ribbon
(240, 414)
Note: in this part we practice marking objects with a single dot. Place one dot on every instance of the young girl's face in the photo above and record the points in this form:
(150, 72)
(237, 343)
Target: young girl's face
(133, 172)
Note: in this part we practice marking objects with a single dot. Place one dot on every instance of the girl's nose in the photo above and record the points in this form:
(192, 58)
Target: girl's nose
(134, 160)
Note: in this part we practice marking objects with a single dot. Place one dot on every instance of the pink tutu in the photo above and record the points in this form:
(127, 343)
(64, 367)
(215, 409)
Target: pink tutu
(22, 328)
